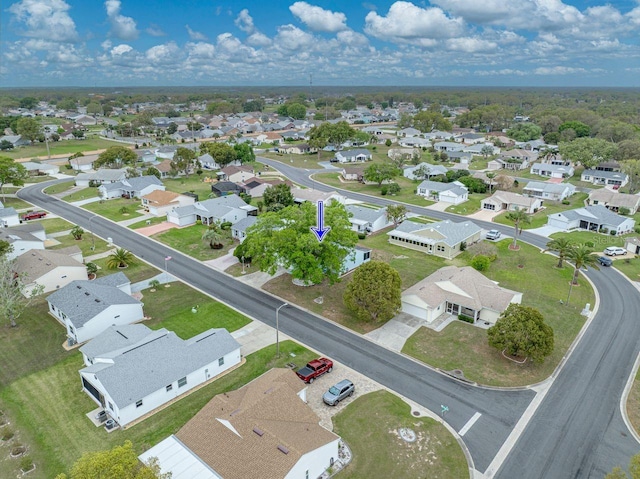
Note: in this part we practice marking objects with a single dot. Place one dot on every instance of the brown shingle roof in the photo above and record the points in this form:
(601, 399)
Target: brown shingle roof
(35, 263)
(164, 166)
(161, 198)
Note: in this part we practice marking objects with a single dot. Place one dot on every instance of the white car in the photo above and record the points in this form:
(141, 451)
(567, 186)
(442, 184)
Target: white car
(493, 234)
(615, 251)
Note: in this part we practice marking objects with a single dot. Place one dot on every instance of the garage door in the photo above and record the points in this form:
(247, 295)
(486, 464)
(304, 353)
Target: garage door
(558, 223)
(414, 310)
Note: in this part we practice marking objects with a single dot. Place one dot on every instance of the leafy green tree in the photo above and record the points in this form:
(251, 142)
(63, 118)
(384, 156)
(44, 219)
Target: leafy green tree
(525, 132)
(628, 149)
(634, 470)
(153, 171)
(116, 157)
(474, 185)
(244, 152)
(374, 293)
(67, 104)
(518, 217)
(29, 128)
(213, 236)
(397, 213)
(121, 462)
(589, 152)
(94, 108)
(120, 258)
(28, 102)
(183, 160)
(11, 172)
(318, 142)
(5, 247)
(12, 301)
(92, 268)
(6, 145)
(562, 246)
(616, 131)
(77, 232)
(296, 111)
(284, 239)
(490, 176)
(480, 262)
(253, 105)
(335, 134)
(380, 172)
(521, 331)
(486, 150)
(222, 153)
(632, 168)
(578, 127)
(581, 256)
(277, 197)
(426, 121)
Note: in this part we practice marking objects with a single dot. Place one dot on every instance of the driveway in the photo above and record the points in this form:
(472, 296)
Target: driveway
(484, 215)
(395, 332)
(545, 230)
(439, 206)
(159, 228)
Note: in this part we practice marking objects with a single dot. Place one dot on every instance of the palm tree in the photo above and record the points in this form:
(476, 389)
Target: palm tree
(92, 269)
(562, 246)
(519, 217)
(490, 177)
(77, 232)
(581, 256)
(213, 236)
(120, 258)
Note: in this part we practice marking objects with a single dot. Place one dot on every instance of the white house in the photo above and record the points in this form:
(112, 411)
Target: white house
(508, 201)
(423, 170)
(448, 146)
(51, 269)
(236, 174)
(136, 187)
(350, 156)
(607, 178)
(8, 216)
(131, 376)
(264, 426)
(552, 171)
(454, 192)
(160, 202)
(595, 218)
(549, 191)
(414, 142)
(458, 291)
(23, 238)
(239, 229)
(101, 177)
(632, 245)
(614, 200)
(87, 308)
(357, 257)
(367, 220)
(300, 195)
(229, 208)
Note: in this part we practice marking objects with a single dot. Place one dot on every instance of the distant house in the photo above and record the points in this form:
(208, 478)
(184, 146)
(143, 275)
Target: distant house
(15, 140)
(239, 229)
(454, 192)
(552, 171)
(595, 218)
(454, 290)
(351, 156)
(50, 269)
(549, 191)
(607, 178)
(136, 187)
(508, 201)
(165, 169)
(236, 174)
(23, 238)
(131, 372)
(440, 239)
(447, 146)
(414, 142)
(83, 163)
(404, 153)
(159, 202)
(614, 200)
(632, 245)
(229, 208)
(514, 160)
(408, 132)
(423, 170)
(353, 173)
(470, 138)
(300, 149)
(300, 195)
(264, 426)
(256, 186)
(8, 216)
(36, 169)
(146, 155)
(224, 188)
(87, 308)
(101, 177)
(367, 220)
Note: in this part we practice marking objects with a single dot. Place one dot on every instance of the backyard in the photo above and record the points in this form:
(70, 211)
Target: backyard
(188, 240)
(194, 184)
(89, 244)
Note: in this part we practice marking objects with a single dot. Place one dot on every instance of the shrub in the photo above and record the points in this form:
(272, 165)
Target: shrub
(362, 236)
(385, 190)
(589, 244)
(465, 318)
(124, 210)
(566, 202)
(226, 226)
(154, 283)
(393, 188)
(7, 433)
(480, 263)
(463, 245)
(26, 463)
(198, 222)
(612, 232)
(637, 229)
(624, 211)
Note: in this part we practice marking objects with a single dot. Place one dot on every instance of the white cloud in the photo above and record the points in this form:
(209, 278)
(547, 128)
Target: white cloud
(351, 38)
(558, 70)
(122, 27)
(470, 45)
(258, 39)
(163, 54)
(407, 23)
(290, 37)
(155, 31)
(106, 45)
(200, 50)
(244, 22)
(195, 35)
(47, 19)
(318, 19)
(121, 49)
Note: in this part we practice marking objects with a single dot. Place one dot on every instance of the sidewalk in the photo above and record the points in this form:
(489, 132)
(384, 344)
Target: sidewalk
(223, 262)
(85, 202)
(137, 219)
(255, 336)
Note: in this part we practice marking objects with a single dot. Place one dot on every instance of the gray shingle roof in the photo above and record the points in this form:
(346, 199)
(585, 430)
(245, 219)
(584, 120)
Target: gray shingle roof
(366, 214)
(440, 187)
(114, 338)
(6, 212)
(610, 175)
(599, 213)
(453, 233)
(215, 206)
(547, 187)
(158, 360)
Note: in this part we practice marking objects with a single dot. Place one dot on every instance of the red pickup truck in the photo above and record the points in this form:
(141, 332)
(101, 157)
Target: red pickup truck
(34, 215)
(314, 369)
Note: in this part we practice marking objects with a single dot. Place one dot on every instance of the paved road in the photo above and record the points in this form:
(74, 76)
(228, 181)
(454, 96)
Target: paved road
(500, 410)
(578, 431)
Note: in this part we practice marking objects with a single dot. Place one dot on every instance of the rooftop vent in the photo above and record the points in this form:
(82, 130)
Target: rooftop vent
(259, 432)
(97, 300)
(86, 293)
(283, 449)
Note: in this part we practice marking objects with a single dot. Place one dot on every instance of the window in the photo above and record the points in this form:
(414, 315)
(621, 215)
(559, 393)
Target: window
(182, 382)
(110, 406)
(116, 317)
(440, 248)
(367, 255)
(306, 474)
(221, 361)
(71, 329)
(169, 387)
(139, 403)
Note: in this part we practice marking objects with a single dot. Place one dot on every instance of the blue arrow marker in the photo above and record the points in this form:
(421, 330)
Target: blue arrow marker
(320, 231)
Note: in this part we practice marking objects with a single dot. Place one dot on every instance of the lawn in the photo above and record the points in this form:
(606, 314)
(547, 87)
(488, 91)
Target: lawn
(38, 179)
(59, 188)
(16, 203)
(171, 308)
(629, 266)
(189, 241)
(463, 346)
(369, 426)
(468, 207)
(55, 225)
(144, 224)
(633, 403)
(539, 218)
(85, 244)
(83, 194)
(138, 271)
(193, 184)
(595, 240)
(111, 209)
(60, 148)
(58, 436)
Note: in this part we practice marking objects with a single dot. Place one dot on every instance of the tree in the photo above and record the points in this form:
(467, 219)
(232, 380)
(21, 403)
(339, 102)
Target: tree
(153, 171)
(67, 104)
(29, 128)
(426, 121)
(628, 149)
(284, 239)
(244, 152)
(213, 236)
(12, 301)
(94, 108)
(296, 111)
(77, 232)
(120, 258)
(581, 130)
(480, 262)
(183, 160)
(222, 153)
(521, 331)
(490, 176)
(589, 152)
(28, 102)
(486, 151)
(518, 217)
(396, 213)
(504, 182)
(634, 470)
(525, 132)
(380, 172)
(335, 134)
(116, 157)
(632, 168)
(277, 197)
(562, 246)
(121, 462)
(374, 293)
(11, 172)
(6, 145)
(581, 256)
(5, 247)
(253, 105)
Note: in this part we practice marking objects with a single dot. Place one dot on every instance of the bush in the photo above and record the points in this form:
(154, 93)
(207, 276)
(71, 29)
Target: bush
(198, 222)
(385, 190)
(226, 226)
(637, 229)
(480, 262)
(465, 318)
(624, 211)
(566, 202)
(362, 236)
(393, 188)
(612, 232)
(463, 245)
(26, 463)
(589, 244)
(7, 433)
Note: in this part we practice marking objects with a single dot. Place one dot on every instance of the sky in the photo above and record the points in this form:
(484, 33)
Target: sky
(102, 43)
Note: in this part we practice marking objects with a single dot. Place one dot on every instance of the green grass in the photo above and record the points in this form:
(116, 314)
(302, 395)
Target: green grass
(144, 224)
(599, 241)
(194, 184)
(82, 194)
(463, 346)
(16, 203)
(38, 179)
(60, 148)
(479, 163)
(59, 188)
(369, 426)
(550, 207)
(111, 208)
(470, 206)
(189, 241)
(137, 271)
(633, 403)
(48, 408)
(55, 225)
(629, 267)
(85, 244)
(422, 219)
(171, 308)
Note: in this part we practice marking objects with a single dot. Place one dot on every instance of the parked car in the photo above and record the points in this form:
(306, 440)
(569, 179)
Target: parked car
(34, 215)
(493, 234)
(604, 261)
(314, 369)
(337, 393)
(615, 251)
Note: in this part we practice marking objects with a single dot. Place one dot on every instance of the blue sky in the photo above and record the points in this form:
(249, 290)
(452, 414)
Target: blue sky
(377, 42)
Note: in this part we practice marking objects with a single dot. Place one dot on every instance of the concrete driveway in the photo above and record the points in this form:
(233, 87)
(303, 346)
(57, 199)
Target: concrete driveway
(395, 332)
(545, 230)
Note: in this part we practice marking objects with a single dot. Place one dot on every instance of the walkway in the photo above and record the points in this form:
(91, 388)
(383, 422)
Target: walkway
(255, 336)
(137, 219)
(223, 262)
(153, 229)
(545, 230)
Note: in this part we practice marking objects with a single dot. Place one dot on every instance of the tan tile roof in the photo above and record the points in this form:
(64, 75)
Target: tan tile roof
(269, 404)
(161, 198)
(35, 263)
(464, 286)
(512, 198)
(164, 166)
(614, 199)
(230, 170)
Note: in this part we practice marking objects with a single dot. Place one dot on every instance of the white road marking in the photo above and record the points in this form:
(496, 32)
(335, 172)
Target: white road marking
(469, 424)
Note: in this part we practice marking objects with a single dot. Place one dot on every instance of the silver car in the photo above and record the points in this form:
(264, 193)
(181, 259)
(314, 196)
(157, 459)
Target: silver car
(337, 393)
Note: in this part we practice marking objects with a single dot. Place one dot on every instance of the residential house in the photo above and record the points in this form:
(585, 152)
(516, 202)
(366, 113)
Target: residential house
(50, 269)
(239, 229)
(353, 173)
(132, 376)
(207, 162)
(236, 174)
(462, 157)
(508, 201)
(224, 188)
(136, 187)
(256, 186)
(355, 258)
(165, 169)
(101, 177)
(610, 165)
(87, 308)
(423, 170)
(367, 220)
(229, 208)
(513, 160)
(454, 192)
(440, 239)
(595, 218)
(604, 177)
(159, 202)
(166, 152)
(549, 191)
(470, 138)
(614, 200)
(83, 163)
(23, 237)
(15, 140)
(552, 171)
(447, 146)
(414, 142)
(8, 216)
(264, 426)
(146, 155)
(300, 195)
(455, 290)
(40, 169)
(632, 245)
(299, 149)
(350, 156)
(404, 153)
(408, 132)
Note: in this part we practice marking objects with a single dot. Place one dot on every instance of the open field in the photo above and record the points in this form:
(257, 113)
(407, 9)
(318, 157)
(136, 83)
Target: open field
(468, 207)
(55, 225)
(60, 148)
(193, 184)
